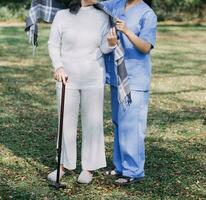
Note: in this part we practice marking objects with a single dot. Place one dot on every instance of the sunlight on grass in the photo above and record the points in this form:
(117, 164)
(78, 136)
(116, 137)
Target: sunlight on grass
(176, 136)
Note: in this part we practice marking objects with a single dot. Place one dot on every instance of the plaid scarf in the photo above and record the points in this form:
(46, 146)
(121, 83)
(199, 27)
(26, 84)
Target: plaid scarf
(40, 9)
(47, 9)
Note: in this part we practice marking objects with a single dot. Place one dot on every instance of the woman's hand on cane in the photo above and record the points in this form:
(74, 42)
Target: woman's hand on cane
(60, 75)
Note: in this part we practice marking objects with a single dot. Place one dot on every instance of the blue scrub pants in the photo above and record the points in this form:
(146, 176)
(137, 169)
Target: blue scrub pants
(130, 126)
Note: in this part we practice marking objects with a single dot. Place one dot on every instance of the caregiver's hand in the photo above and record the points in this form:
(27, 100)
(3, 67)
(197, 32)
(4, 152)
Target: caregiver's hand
(139, 43)
(112, 37)
(60, 75)
(121, 26)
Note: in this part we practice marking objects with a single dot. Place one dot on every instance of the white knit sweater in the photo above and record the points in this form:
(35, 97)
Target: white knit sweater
(77, 42)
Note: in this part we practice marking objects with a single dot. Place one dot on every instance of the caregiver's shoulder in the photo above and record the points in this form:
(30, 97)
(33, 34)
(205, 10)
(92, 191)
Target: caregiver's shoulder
(149, 11)
(111, 2)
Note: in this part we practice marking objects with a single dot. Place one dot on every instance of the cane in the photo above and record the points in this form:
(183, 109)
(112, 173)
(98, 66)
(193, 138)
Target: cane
(57, 184)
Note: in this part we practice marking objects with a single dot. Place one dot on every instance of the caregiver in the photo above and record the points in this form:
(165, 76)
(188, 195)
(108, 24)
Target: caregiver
(79, 36)
(136, 24)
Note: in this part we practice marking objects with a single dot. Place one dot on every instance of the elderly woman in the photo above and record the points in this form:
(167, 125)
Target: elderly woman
(79, 36)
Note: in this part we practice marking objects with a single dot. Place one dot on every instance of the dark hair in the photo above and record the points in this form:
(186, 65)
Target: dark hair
(72, 5)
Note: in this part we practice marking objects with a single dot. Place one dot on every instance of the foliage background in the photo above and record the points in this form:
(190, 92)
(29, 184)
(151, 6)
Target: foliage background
(178, 10)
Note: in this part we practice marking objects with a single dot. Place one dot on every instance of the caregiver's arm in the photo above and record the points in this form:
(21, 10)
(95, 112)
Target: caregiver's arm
(139, 43)
(54, 47)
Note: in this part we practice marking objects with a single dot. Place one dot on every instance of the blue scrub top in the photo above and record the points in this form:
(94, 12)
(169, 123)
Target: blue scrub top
(142, 20)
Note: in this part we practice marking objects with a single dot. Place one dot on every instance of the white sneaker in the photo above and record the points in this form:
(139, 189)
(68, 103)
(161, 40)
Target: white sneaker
(53, 175)
(85, 177)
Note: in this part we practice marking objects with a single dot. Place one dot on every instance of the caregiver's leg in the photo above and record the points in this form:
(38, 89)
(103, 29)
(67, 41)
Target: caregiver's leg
(132, 126)
(71, 110)
(93, 148)
(117, 160)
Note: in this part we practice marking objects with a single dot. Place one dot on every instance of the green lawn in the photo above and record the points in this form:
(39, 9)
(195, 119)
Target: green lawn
(175, 143)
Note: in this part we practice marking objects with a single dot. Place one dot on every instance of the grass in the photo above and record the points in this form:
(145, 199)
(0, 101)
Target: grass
(9, 14)
(175, 143)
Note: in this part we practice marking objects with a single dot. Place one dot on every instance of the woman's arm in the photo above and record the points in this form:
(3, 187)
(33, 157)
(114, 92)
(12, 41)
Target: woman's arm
(54, 43)
(54, 47)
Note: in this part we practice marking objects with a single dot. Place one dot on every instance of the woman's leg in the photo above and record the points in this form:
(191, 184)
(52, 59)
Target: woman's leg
(131, 127)
(71, 110)
(93, 148)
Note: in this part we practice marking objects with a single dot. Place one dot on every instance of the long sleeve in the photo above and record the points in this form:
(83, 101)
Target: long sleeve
(105, 48)
(54, 43)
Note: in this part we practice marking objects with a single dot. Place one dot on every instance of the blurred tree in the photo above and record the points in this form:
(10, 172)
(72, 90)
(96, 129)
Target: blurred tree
(165, 9)
(173, 7)
(167, 4)
(15, 4)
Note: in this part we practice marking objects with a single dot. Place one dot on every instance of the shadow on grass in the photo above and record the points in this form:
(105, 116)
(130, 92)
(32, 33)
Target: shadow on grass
(174, 168)
(196, 89)
(164, 28)
(169, 174)
(31, 126)
(170, 171)
(16, 193)
(30, 132)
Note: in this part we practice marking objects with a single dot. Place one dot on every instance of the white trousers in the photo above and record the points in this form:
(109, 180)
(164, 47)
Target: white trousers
(90, 103)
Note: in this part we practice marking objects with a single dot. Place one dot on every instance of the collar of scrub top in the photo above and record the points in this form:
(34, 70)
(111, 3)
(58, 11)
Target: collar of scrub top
(122, 14)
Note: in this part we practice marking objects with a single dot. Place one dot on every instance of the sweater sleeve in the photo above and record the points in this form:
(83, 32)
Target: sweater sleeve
(105, 48)
(54, 43)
